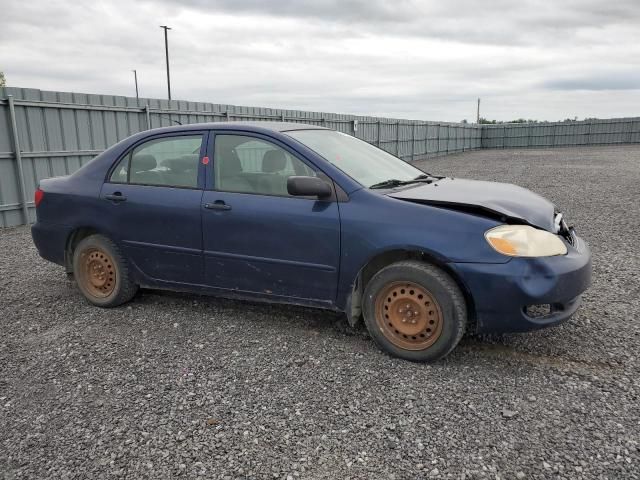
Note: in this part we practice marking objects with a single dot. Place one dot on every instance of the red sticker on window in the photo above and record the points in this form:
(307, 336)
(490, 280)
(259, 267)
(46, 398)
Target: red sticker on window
(205, 160)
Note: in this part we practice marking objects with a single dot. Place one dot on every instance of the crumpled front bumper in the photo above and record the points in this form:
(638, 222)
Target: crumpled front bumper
(502, 292)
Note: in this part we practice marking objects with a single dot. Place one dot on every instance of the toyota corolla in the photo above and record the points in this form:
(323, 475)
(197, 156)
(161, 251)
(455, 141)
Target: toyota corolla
(299, 214)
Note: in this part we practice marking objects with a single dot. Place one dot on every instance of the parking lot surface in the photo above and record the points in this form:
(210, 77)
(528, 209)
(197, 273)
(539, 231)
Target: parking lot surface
(184, 386)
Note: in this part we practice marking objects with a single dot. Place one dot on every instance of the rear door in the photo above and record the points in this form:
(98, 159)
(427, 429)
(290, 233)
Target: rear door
(153, 196)
(258, 238)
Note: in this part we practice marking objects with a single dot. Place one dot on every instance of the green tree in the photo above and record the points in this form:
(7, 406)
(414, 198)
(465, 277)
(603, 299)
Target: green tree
(3, 81)
(500, 122)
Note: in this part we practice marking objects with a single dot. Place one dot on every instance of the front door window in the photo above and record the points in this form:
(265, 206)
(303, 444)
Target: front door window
(246, 164)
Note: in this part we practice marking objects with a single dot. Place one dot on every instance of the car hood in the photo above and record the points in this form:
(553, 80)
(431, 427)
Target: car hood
(491, 198)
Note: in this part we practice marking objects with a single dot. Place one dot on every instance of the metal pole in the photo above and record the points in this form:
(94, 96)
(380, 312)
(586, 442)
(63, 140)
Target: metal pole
(148, 115)
(166, 53)
(413, 140)
(18, 154)
(135, 78)
(448, 137)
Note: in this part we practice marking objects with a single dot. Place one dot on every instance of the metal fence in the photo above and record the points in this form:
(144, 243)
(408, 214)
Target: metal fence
(562, 134)
(45, 134)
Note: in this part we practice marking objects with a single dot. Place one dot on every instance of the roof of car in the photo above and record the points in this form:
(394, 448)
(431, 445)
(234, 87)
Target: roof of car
(249, 126)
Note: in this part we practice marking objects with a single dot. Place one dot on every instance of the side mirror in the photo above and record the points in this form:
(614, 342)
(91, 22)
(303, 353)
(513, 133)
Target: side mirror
(308, 187)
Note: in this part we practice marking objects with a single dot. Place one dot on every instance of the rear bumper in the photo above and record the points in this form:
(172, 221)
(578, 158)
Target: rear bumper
(502, 292)
(50, 240)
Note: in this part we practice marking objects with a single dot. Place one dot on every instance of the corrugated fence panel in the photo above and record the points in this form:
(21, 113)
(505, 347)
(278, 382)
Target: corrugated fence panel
(634, 131)
(59, 132)
(562, 134)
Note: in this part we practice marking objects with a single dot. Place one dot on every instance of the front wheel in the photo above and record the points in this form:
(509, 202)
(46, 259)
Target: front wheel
(102, 273)
(415, 311)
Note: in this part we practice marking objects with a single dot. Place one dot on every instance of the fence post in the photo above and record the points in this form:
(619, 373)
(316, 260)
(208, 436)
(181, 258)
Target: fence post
(448, 137)
(18, 157)
(378, 133)
(426, 140)
(464, 137)
(398, 139)
(630, 124)
(148, 116)
(413, 140)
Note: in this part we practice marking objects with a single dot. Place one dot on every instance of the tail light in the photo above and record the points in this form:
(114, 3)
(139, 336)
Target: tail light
(39, 195)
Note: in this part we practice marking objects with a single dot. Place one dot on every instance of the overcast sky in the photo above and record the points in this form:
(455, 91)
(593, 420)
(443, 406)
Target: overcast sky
(428, 60)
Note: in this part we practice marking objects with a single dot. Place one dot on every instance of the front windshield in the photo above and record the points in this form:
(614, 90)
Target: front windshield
(366, 164)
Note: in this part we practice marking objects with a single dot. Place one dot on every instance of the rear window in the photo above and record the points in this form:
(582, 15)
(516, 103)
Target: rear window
(170, 161)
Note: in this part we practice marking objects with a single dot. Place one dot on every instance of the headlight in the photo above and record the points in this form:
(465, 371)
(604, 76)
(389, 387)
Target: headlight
(524, 241)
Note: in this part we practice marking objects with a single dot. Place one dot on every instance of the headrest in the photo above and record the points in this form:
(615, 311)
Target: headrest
(228, 163)
(274, 161)
(144, 162)
(182, 164)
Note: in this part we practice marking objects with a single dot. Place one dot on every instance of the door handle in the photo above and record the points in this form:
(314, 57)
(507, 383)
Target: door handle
(116, 197)
(217, 205)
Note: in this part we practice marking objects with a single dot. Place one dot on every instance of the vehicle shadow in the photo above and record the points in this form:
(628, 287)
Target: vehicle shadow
(320, 320)
(509, 348)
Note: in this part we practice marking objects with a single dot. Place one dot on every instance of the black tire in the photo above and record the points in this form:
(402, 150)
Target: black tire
(102, 273)
(446, 312)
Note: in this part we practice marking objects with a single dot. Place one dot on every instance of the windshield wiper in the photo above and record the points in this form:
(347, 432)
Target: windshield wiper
(394, 182)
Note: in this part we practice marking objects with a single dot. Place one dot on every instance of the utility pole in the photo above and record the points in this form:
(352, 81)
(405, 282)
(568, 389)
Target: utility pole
(166, 53)
(478, 112)
(135, 78)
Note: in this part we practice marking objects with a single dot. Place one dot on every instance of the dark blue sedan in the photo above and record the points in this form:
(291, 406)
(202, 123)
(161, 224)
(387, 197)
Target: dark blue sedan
(299, 214)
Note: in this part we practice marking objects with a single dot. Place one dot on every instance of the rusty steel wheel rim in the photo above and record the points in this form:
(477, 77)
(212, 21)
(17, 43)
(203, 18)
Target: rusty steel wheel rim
(98, 272)
(408, 315)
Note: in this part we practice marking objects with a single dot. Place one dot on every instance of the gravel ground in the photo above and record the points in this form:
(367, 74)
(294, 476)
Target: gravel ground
(183, 386)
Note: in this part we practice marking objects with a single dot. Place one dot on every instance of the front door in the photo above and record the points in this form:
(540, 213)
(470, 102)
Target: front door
(258, 238)
(152, 204)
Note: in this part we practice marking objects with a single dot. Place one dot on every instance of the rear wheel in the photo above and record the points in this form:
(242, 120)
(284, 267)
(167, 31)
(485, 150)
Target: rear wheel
(415, 311)
(102, 273)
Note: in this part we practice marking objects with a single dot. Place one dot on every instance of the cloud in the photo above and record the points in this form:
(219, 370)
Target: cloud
(334, 11)
(414, 59)
(625, 80)
(502, 22)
